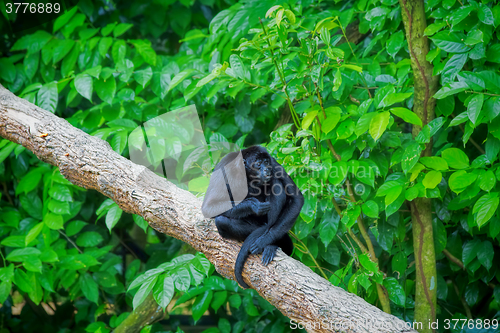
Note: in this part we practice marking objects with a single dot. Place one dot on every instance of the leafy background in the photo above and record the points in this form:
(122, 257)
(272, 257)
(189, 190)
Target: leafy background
(337, 115)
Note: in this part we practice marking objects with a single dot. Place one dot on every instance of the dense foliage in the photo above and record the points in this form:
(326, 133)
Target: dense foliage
(248, 66)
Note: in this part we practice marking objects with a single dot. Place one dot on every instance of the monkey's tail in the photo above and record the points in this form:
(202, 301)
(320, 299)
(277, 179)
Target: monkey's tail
(244, 253)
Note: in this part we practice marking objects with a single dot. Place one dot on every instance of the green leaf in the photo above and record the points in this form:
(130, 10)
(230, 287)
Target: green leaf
(399, 263)
(485, 208)
(69, 61)
(475, 106)
(113, 216)
(7, 70)
(333, 116)
(367, 263)
(53, 221)
(104, 45)
(328, 227)
(394, 98)
(487, 181)
(455, 158)
(453, 66)
(407, 116)
(396, 292)
(106, 89)
(89, 287)
(164, 291)
(485, 14)
(485, 254)
(179, 77)
(451, 89)
(5, 288)
(61, 49)
(370, 209)
(308, 119)
(74, 227)
(201, 304)
(108, 29)
(459, 180)
(62, 20)
(22, 281)
(435, 162)
(237, 66)
(144, 290)
(121, 28)
(89, 239)
(379, 124)
(432, 179)
(410, 156)
(33, 233)
(23, 254)
(143, 76)
(83, 84)
(60, 192)
(47, 97)
(450, 41)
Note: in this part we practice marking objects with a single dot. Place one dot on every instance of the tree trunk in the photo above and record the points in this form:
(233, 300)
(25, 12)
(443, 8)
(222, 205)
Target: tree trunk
(89, 162)
(425, 86)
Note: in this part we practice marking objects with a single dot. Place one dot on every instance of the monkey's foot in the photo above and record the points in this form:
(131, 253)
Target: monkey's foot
(268, 254)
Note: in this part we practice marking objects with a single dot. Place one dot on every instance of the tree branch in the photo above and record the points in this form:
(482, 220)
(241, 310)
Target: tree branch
(89, 162)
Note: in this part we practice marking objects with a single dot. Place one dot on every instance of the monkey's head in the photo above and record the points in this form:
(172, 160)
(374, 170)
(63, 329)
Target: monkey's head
(258, 165)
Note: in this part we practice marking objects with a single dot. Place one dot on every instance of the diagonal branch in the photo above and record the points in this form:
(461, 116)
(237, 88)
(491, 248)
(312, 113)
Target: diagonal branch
(89, 162)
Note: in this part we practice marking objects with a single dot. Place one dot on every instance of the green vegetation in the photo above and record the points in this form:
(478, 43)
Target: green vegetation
(401, 188)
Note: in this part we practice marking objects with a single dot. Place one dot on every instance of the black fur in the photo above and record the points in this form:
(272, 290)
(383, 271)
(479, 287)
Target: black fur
(262, 220)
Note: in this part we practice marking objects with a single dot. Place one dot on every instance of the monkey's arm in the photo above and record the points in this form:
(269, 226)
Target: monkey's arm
(249, 206)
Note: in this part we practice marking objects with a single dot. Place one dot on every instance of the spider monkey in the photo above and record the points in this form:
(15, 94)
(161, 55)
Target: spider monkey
(264, 216)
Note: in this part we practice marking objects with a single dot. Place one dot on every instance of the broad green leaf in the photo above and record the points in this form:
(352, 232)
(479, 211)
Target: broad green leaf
(89, 239)
(487, 181)
(396, 292)
(475, 106)
(367, 263)
(89, 287)
(164, 291)
(23, 254)
(237, 66)
(485, 209)
(33, 233)
(394, 98)
(410, 156)
(62, 20)
(83, 84)
(378, 124)
(7, 70)
(181, 76)
(455, 158)
(485, 254)
(47, 97)
(451, 89)
(113, 216)
(485, 14)
(143, 76)
(308, 119)
(104, 45)
(106, 89)
(435, 162)
(450, 41)
(53, 221)
(370, 209)
(453, 66)
(432, 179)
(121, 28)
(407, 116)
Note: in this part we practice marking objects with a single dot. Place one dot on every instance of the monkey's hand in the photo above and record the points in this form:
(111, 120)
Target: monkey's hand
(268, 254)
(261, 208)
(260, 244)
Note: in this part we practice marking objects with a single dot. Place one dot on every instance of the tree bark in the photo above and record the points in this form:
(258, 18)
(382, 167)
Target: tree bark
(425, 86)
(89, 162)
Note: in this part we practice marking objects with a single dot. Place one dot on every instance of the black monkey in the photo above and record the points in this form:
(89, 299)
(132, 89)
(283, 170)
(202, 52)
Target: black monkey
(264, 216)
